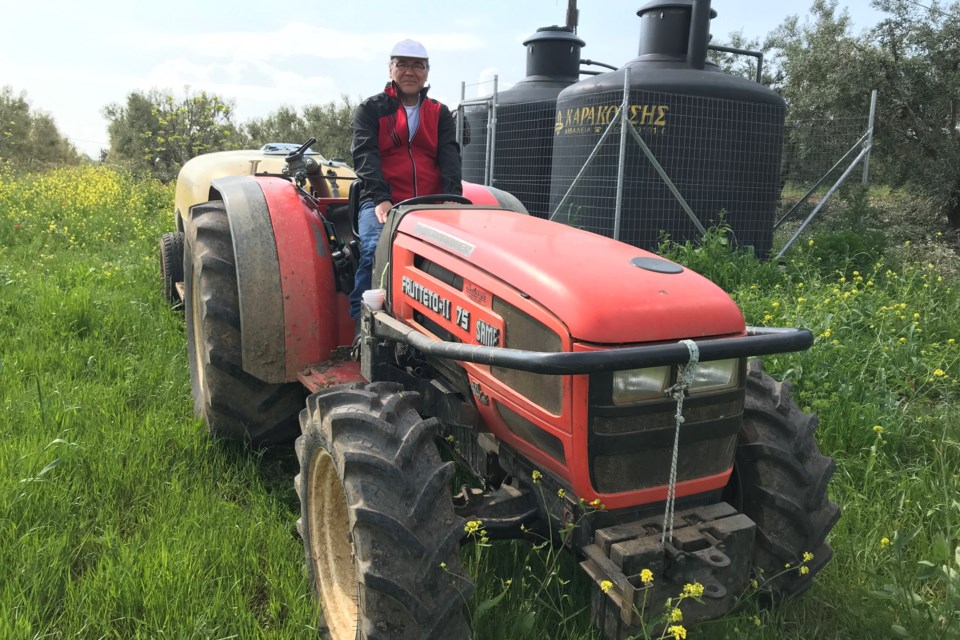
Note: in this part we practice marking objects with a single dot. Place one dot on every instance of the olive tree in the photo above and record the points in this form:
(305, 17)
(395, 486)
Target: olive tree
(29, 138)
(912, 57)
(156, 132)
(329, 123)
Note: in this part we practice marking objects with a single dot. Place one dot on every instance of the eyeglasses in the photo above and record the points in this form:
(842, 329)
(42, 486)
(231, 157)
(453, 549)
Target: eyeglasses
(410, 66)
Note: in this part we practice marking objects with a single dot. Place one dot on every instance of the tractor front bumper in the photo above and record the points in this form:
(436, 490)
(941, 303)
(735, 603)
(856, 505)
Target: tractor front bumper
(711, 545)
(758, 341)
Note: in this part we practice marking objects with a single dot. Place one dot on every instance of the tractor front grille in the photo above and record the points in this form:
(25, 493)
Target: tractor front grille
(631, 448)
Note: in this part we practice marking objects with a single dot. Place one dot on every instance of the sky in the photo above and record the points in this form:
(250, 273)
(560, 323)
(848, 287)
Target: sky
(71, 59)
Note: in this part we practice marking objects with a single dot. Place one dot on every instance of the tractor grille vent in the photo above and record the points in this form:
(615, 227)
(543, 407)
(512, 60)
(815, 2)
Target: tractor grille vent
(631, 448)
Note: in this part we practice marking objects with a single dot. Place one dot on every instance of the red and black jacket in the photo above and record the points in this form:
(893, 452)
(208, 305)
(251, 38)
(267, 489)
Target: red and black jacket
(392, 166)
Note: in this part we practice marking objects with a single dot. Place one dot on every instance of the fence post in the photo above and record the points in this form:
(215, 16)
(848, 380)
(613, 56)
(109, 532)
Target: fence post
(461, 114)
(622, 164)
(492, 147)
(873, 115)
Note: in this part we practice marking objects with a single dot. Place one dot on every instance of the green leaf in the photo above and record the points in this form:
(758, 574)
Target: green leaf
(50, 467)
(899, 631)
(940, 548)
(526, 622)
(488, 604)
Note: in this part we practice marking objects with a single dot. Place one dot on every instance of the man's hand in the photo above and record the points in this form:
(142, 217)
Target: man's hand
(382, 210)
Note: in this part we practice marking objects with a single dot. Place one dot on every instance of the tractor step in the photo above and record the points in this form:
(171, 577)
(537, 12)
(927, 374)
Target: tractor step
(340, 369)
(712, 545)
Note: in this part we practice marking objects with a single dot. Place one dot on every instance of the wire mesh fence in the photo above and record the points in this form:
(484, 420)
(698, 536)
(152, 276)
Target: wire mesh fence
(689, 162)
(813, 145)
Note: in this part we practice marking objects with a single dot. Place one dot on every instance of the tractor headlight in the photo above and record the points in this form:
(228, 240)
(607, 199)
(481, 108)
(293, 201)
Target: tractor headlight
(716, 375)
(637, 385)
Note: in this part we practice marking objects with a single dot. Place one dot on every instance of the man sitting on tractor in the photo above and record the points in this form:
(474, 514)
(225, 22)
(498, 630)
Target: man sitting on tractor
(404, 145)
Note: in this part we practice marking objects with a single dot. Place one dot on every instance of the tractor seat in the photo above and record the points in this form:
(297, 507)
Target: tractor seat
(353, 205)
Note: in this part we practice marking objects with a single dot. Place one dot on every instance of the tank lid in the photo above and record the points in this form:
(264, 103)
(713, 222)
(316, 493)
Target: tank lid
(670, 4)
(555, 33)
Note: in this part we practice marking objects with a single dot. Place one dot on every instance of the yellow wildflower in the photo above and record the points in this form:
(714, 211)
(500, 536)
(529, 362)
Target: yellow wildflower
(605, 585)
(939, 373)
(884, 541)
(472, 526)
(695, 590)
(877, 428)
(804, 570)
(676, 615)
(756, 621)
(537, 476)
(646, 576)
(561, 493)
(807, 556)
(677, 630)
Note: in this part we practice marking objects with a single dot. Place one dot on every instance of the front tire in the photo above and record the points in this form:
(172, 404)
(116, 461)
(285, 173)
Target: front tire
(379, 532)
(234, 404)
(780, 482)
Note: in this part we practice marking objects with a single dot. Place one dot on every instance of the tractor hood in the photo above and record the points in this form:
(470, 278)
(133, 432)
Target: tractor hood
(604, 291)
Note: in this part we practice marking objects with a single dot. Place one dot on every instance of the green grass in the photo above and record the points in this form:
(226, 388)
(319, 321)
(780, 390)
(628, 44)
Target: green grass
(119, 518)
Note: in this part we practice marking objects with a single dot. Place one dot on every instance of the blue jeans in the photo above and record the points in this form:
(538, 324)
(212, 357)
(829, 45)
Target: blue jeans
(370, 229)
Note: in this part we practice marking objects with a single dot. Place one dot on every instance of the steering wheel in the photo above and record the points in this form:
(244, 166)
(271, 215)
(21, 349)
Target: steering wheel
(436, 198)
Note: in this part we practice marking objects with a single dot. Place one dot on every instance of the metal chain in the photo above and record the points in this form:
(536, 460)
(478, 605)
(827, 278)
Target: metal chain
(678, 391)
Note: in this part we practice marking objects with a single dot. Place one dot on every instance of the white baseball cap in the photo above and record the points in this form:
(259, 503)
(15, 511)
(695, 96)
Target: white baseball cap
(409, 49)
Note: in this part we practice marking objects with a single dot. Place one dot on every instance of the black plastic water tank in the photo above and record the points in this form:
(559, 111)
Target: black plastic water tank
(718, 137)
(523, 148)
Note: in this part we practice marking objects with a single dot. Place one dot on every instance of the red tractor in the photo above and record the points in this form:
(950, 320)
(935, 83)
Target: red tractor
(552, 358)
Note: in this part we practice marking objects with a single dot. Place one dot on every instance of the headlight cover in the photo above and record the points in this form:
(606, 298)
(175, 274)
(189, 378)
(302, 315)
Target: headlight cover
(638, 385)
(715, 375)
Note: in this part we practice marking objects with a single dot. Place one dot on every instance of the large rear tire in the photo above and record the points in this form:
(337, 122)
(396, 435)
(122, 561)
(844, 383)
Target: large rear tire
(171, 265)
(234, 404)
(380, 535)
(780, 481)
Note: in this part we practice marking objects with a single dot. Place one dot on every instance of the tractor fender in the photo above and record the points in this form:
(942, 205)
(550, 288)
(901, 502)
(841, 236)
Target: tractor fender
(491, 196)
(290, 315)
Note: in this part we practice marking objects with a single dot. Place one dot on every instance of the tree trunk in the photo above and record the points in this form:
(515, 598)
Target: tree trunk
(953, 205)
